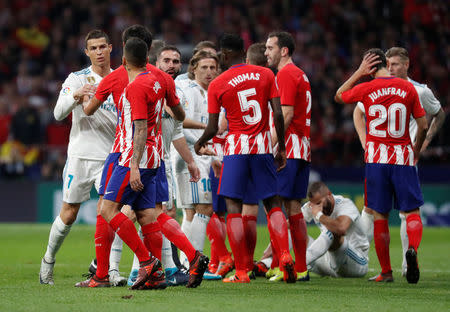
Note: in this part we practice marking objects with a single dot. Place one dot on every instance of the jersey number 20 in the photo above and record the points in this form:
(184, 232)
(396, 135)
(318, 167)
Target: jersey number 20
(396, 119)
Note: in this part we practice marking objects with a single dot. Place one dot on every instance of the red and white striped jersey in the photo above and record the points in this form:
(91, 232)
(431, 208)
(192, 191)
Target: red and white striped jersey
(142, 99)
(388, 103)
(244, 90)
(295, 90)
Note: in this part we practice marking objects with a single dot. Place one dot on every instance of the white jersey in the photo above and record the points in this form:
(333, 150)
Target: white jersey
(91, 137)
(344, 207)
(428, 101)
(171, 130)
(194, 100)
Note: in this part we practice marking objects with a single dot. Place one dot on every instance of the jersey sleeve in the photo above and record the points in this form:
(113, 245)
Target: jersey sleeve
(417, 110)
(66, 102)
(353, 95)
(288, 88)
(104, 88)
(345, 207)
(171, 93)
(429, 102)
(213, 99)
(138, 99)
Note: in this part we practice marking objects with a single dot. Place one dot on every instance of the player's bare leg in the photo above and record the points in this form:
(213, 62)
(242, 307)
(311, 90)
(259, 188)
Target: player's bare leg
(382, 240)
(58, 232)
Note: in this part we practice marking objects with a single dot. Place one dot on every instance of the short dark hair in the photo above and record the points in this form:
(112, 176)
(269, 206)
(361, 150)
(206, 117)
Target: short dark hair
(232, 42)
(138, 31)
(204, 44)
(197, 58)
(255, 54)
(95, 34)
(380, 55)
(135, 52)
(398, 51)
(284, 40)
(153, 54)
(316, 187)
(167, 48)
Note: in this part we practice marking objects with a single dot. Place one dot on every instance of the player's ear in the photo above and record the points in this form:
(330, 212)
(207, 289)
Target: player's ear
(110, 48)
(284, 51)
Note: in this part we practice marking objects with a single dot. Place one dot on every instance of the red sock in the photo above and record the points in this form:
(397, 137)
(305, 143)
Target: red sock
(153, 238)
(382, 239)
(299, 240)
(104, 236)
(275, 251)
(414, 230)
(216, 237)
(250, 238)
(235, 231)
(224, 227)
(279, 229)
(125, 228)
(172, 230)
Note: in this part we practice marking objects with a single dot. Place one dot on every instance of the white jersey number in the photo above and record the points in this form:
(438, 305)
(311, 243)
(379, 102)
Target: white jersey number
(396, 118)
(246, 105)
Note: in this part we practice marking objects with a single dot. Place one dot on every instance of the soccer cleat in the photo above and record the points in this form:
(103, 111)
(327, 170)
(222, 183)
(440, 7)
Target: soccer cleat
(145, 271)
(93, 266)
(156, 281)
(132, 277)
(211, 276)
(212, 267)
(115, 279)
(287, 267)
(278, 276)
(260, 269)
(251, 275)
(197, 268)
(272, 272)
(94, 281)
(175, 277)
(303, 276)
(382, 278)
(46, 273)
(412, 271)
(238, 277)
(226, 265)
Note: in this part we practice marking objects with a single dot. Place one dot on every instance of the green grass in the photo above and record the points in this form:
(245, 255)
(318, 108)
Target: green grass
(23, 245)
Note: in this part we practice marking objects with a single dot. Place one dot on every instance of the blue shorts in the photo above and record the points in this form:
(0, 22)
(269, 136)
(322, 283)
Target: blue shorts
(242, 174)
(119, 189)
(162, 187)
(110, 163)
(218, 202)
(293, 179)
(385, 183)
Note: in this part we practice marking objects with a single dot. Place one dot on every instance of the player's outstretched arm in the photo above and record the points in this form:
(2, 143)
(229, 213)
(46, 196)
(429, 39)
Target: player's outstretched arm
(193, 124)
(435, 126)
(67, 102)
(209, 133)
(139, 139)
(360, 125)
(422, 128)
(91, 107)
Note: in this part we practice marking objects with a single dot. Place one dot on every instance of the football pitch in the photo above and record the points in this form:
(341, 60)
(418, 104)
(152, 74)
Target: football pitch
(23, 245)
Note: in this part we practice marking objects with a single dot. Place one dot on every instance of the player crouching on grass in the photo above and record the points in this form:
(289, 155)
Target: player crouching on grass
(390, 158)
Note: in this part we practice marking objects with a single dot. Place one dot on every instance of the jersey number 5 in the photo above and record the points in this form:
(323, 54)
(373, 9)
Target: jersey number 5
(246, 104)
(396, 119)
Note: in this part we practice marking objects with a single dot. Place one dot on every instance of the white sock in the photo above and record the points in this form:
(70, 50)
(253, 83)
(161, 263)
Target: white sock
(404, 238)
(116, 253)
(367, 222)
(166, 254)
(198, 231)
(290, 239)
(186, 228)
(136, 264)
(267, 262)
(58, 233)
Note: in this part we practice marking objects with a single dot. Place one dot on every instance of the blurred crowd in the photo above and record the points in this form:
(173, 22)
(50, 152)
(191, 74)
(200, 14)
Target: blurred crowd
(43, 41)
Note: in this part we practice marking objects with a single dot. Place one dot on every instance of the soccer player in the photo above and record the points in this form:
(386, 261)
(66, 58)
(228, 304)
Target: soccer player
(207, 46)
(195, 197)
(89, 143)
(342, 248)
(244, 91)
(295, 97)
(398, 64)
(389, 155)
(114, 84)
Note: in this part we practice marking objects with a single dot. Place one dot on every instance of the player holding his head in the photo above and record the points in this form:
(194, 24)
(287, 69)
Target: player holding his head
(295, 98)
(89, 143)
(389, 154)
(398, 64)
(244, 91)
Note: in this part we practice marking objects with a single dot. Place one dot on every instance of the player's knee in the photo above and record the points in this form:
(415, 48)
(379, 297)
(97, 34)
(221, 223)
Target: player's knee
(69, 213)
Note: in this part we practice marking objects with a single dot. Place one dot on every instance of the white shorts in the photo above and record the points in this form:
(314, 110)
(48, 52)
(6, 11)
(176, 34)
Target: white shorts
(78, 178)
(190, 193)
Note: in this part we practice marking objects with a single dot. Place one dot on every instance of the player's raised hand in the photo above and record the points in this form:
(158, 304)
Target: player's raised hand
(280, 159)
(315, 208)
(368, 63)
(135, 180)
(86, 90)
(194, 172)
